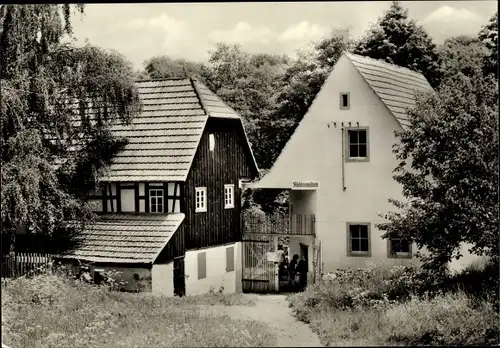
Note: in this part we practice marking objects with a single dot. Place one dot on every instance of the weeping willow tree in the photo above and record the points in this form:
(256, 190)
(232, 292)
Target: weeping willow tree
(58, 104)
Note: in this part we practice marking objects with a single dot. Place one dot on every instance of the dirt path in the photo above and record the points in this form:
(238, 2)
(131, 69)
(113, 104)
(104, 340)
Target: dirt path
(273, 310)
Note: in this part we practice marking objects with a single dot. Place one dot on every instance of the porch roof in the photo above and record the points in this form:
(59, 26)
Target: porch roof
(125, 238)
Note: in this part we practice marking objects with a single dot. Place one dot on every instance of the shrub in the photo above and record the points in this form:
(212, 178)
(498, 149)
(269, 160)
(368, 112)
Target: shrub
(373, 286)
(402, 305)
(444, 320)
(480, 281)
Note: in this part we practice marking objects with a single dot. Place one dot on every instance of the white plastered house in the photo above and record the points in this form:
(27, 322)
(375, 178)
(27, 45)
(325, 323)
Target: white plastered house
(338, 164)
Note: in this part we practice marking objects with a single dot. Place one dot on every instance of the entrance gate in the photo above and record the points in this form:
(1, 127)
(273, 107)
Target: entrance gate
(259, 274)
(260, 243)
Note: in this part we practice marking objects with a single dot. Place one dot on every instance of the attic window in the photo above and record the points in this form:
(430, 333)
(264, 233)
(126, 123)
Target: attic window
(344, 101)
(211, 142)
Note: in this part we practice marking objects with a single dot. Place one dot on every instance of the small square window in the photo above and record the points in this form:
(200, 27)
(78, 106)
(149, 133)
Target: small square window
(156, 200)
(228, 196)
(211, 142)
(201, 199)
(357, 144)
(398, 248)
(358, 239)
(344, 101)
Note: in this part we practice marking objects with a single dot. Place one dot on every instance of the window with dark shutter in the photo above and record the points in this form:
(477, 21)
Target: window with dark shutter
(202, 265)
(230, 259)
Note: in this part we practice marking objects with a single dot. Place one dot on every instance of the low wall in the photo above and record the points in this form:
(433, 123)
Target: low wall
(129, 278)
(215, 275)
(163, 281)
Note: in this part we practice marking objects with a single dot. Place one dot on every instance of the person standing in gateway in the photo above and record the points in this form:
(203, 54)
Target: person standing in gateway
(280, 259)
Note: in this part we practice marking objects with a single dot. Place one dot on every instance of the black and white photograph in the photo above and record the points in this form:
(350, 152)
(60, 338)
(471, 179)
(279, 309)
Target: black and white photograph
(249, 174)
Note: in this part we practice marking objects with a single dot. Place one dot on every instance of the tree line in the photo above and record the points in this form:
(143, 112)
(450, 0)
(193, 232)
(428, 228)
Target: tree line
(54, 149)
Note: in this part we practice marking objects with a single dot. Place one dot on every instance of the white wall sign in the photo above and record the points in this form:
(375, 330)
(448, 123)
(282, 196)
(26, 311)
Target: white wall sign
(305, 185)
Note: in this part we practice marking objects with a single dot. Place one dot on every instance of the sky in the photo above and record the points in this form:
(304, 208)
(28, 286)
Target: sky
(190, 30)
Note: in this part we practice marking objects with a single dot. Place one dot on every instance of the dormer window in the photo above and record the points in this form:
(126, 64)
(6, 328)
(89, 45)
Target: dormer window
(211, 142)
(344, 100)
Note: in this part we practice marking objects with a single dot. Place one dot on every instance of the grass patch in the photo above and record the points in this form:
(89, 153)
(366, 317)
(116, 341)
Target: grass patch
(235, 299)
(399, 306)
(53, 311)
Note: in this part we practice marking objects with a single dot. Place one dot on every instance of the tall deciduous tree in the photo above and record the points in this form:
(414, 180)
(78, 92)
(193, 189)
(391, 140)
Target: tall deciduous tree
(449, 171)
(489, 36)
(397, 39)
(462, 54)
(58, 104)
(166, 67)
(247, 83)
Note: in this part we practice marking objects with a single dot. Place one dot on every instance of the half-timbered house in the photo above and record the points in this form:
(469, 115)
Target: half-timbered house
(169, 206)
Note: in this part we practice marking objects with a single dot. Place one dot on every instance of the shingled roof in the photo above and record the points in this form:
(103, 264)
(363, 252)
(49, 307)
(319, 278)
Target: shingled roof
(394, 85)
(122, 238)
(164, 138)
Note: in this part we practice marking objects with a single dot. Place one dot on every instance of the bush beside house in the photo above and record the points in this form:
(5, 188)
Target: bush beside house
(403, 305)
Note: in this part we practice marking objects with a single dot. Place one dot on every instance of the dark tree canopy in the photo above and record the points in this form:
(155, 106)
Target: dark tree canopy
(397, 39)
(489, 36)
(166, 67)
(58, 103)
(462, 54)
(248, 83)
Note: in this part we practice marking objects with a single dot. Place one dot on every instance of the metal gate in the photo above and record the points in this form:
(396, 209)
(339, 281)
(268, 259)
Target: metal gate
(179, 277)
(259, 270)
(317, 261)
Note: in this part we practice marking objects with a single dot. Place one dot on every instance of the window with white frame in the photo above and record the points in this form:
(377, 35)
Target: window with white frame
(156, 200)
(357, 144)
(228, 196)
(201, 199)
(358, 239)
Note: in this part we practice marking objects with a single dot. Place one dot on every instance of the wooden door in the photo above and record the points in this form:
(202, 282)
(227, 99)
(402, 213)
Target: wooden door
(179, 277)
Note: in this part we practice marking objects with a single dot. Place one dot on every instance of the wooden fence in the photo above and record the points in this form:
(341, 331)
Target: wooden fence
(293, 224)
(25, 264)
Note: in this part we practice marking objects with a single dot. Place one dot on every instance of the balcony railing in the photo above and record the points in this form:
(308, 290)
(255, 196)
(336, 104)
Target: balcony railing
(288, 225)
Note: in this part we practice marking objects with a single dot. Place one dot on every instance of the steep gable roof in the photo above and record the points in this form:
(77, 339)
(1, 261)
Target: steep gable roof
(164, 138)
(394, 85)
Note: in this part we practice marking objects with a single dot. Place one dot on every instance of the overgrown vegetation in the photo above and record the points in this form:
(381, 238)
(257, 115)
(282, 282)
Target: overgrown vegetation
(58, 311)
(448, 170)
(404, 305)
(58, 105)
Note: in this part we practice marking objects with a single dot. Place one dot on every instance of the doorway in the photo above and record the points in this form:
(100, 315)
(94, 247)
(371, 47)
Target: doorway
(304, 252)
